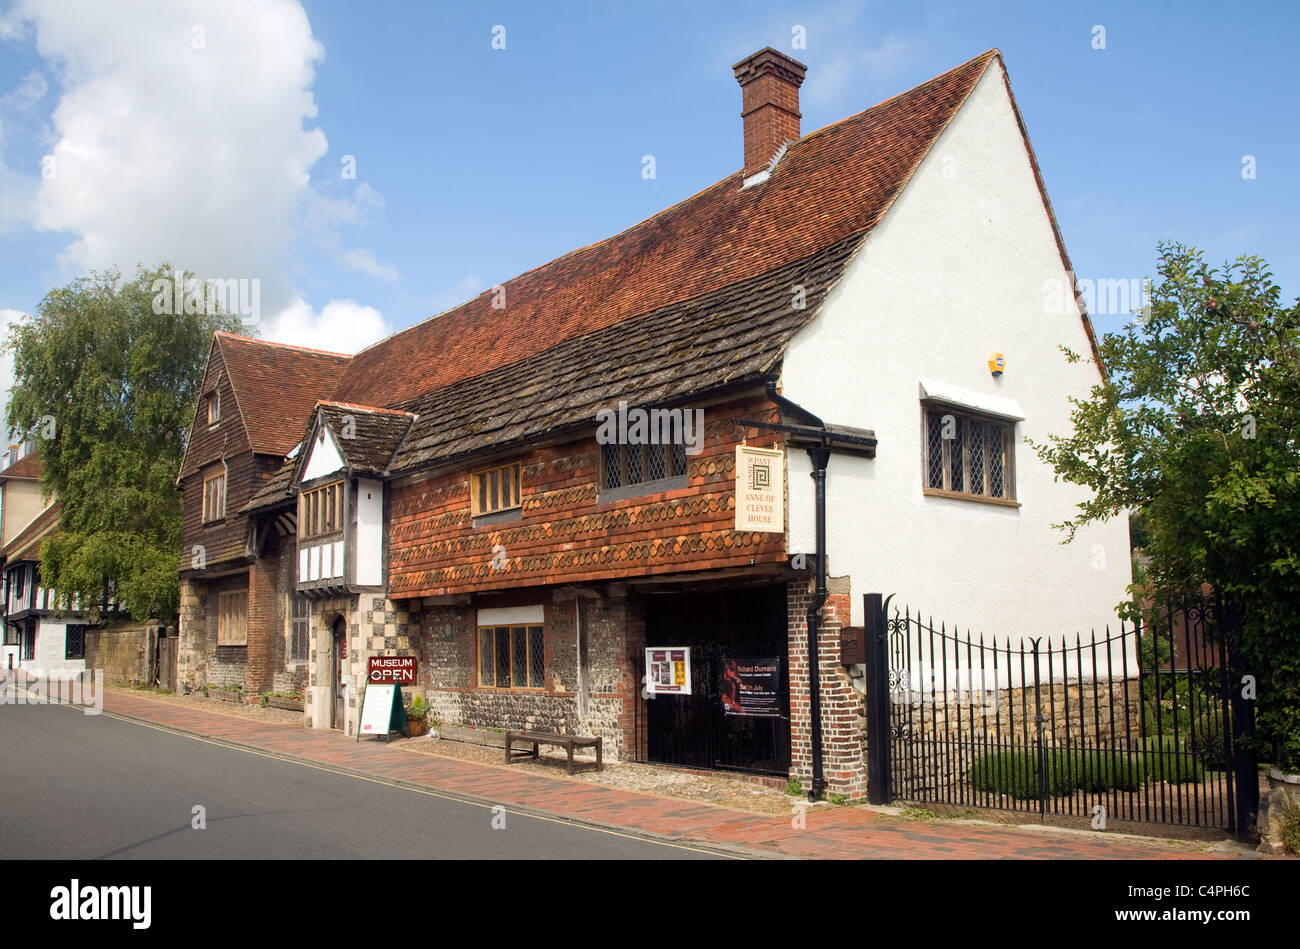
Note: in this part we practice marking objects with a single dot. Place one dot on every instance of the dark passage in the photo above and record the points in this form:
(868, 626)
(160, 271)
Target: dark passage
(692, 730)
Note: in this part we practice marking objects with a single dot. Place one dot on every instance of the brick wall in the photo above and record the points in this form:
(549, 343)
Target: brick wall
(842, 706)
(265, 624)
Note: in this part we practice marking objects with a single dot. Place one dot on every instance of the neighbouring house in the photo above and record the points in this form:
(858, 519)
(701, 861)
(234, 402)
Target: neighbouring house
(256, 398)
(619, 452)
(40, 633)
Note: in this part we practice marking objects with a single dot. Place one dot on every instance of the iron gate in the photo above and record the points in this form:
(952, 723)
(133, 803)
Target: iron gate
(692, 731)
(1141, 724)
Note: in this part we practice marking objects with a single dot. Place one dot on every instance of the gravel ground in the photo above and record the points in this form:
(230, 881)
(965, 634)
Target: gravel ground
(275, 716)
(725, 791)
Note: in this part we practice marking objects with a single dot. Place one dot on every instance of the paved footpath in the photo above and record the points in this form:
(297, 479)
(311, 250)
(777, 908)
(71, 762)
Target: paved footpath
(831, 832)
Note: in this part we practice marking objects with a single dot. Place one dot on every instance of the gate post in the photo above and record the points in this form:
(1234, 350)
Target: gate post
(877, 656)
(1245, 770)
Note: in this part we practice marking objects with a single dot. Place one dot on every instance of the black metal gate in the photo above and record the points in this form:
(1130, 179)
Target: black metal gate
(692, 730)
(1141, 724)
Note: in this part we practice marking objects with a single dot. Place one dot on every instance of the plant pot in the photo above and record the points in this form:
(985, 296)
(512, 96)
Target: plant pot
(289, 705)
(416, 728)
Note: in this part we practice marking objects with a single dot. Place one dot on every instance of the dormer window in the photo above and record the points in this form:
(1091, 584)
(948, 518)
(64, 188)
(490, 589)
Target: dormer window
(320, 511)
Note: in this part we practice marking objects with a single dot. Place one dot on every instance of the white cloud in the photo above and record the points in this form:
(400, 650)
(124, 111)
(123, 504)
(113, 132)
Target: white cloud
(341, 326)
(16, 189)
(7, 318)
(363, 261)
(835, 75)
(181, 133)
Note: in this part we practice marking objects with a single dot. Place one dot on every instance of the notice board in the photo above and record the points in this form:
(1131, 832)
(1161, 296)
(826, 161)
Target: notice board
(381, 710)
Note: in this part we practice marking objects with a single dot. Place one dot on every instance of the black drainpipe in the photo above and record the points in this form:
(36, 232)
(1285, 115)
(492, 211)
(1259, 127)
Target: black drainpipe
(819, 455)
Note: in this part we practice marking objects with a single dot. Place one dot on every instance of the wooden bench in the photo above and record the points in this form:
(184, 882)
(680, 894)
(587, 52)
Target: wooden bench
(536, 739)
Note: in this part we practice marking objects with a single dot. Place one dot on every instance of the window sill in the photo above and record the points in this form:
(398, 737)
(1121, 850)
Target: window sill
(322, 538)
(641, 488)
(499, 517)
(978, 499)
(522, 689)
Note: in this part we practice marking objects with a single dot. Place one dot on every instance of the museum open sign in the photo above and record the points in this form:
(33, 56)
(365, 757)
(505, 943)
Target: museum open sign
(760, 489)
(397, 669)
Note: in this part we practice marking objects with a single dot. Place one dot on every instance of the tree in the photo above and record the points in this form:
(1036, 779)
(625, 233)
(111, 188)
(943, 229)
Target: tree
(1195, 430)
(107, 387)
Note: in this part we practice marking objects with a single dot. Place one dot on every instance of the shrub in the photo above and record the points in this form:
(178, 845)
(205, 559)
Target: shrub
(1016, 773)
(1165, 761)
(1291, 826)
(419, 709)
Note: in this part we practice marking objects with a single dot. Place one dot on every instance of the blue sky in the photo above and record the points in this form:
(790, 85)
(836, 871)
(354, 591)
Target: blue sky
(474, 164)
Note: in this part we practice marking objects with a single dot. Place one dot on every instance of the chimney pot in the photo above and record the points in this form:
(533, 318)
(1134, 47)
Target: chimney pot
(769, 83)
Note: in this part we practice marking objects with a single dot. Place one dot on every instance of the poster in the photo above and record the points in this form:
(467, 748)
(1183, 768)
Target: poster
(760, 489)
(752, 686)
(668, 670)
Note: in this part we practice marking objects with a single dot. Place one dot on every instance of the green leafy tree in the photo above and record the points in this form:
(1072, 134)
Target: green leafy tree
(1197, 431)
(107, 388)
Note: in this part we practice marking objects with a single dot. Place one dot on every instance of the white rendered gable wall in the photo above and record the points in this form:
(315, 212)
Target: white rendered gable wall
(955, 271)
(325, 457)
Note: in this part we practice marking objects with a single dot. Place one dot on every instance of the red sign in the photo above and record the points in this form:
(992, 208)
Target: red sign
(398, 669)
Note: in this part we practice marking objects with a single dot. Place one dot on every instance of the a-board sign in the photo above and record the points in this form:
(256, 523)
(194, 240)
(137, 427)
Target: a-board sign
(668, 670)
(399, 669)
(381, 710)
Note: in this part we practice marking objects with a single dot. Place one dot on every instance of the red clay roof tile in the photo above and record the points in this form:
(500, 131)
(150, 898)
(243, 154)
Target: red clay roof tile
(277, 386)
(831, 184)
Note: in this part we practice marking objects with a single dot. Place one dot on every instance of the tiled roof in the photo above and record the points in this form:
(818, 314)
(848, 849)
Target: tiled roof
(277, 386)
(703, 345)
(28, 466)
(830, 185)
(24, 545)
(276, 491)
(366, 436)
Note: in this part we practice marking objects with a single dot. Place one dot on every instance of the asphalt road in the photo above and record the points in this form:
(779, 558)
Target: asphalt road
(80, 787)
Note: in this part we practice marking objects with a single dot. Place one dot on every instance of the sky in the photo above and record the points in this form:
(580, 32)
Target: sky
(370, 165)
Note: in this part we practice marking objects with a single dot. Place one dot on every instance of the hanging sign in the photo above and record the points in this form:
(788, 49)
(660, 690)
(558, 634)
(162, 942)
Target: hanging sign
(399, 669)
(752, 686)
(760, 489)
(668, 670)
(381, 711)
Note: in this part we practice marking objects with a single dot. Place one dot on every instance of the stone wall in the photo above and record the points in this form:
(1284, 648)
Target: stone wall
(124, 651)
(599, 702)
(200, 660)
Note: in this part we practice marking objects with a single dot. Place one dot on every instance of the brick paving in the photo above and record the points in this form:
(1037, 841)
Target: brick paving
(831, 832)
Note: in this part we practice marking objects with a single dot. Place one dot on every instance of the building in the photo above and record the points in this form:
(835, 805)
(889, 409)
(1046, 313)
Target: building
(255, 399)
(530, 491)
(40, 632)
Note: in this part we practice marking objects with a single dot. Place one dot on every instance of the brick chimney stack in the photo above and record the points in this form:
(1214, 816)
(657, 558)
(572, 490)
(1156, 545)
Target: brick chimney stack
(769, 83)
